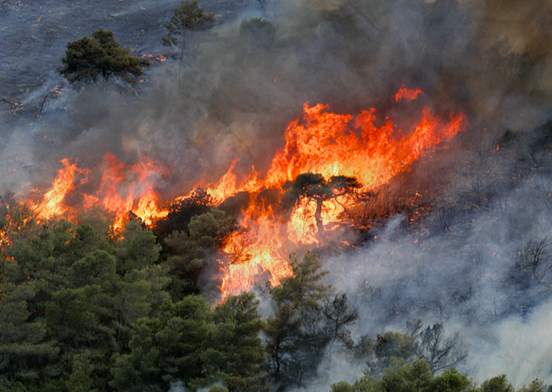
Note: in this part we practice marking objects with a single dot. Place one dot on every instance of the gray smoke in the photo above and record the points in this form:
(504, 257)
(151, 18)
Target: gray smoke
(233, 97)
(462, 277)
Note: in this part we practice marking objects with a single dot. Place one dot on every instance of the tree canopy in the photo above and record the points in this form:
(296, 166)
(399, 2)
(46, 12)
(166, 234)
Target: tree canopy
(315, 187)
(101, 56)
(417, 377)
(188, 17)
(83, 312)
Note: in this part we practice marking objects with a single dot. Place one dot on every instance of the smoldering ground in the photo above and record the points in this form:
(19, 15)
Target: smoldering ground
(234, 95)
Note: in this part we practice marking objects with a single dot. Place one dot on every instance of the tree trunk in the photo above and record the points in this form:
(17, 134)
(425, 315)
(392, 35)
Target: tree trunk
(318, 218)
(180, 65)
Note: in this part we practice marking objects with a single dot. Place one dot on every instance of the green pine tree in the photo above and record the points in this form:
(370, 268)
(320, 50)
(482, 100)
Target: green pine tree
(87, 59)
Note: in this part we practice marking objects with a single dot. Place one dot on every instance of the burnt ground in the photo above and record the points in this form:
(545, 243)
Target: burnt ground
(34, 34)
(33, 39)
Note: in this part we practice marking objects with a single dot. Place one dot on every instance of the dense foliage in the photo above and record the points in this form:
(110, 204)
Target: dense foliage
(84, 311)
(417, 377)
(86, 59)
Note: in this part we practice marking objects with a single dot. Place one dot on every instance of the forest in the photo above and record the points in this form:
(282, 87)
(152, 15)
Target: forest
(272, 195)
(84, 311)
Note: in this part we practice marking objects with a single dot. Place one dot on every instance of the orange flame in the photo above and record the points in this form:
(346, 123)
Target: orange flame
(124, 189)
(258, 249)
(365, 147)
(408, 94)
(161, 58)
(335, 144)
(122, 185)
(53, 201)
(332, 145)
(226, 187)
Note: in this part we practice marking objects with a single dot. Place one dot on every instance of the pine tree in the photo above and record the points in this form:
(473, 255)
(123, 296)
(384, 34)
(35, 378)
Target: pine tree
(296, 334)
(25, 352)
(237, 353)
(87, 59)
(187, 18)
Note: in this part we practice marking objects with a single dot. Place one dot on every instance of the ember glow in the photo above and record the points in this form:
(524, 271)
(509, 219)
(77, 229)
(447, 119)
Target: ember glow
(366, 147)
(151, 57)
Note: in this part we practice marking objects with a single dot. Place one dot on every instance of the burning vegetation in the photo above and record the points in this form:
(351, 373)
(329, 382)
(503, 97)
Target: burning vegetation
(330, 164)
(275, 194)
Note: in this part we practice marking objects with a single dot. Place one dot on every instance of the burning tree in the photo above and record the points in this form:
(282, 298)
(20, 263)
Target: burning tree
(314, 187)
(86, 59)
(304, 195)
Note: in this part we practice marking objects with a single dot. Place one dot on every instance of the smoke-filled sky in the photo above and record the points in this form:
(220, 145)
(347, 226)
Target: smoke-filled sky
(233, 97)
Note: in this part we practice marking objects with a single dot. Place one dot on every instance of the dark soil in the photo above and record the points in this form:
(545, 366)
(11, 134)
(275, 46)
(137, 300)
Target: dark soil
(34, 34)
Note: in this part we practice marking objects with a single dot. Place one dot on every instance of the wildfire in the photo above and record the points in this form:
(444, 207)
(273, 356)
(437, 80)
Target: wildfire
(124, 189)
(151, 57)
(226, 187)
(258, 249)
(334, 144)
(366, 147)
(53, 201)
(408, 94)
(331, 145)
(125, 186)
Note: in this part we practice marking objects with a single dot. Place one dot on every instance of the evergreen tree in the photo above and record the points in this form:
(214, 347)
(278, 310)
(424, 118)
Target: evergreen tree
(81, 379)
(497, 384)
(316, 188)
(414, 377)
(296, 334)
(338, 316)
(85, 294)
(192, 248)
(25, 351)
(87, 59)
(187, 18)
(237, 354)
(166, 349)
